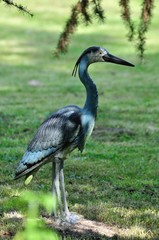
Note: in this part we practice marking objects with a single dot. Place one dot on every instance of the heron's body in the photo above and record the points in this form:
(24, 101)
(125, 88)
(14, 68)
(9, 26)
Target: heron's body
(66, 129)
(60, 134)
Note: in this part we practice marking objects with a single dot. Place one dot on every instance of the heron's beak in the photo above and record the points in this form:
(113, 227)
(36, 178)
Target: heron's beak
(110, 58)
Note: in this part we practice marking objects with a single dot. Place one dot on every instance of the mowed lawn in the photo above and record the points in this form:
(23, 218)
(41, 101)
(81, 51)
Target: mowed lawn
(116, 179)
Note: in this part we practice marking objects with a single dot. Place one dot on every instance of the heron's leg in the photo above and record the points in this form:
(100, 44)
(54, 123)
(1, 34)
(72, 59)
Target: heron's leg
(55, 184)
(68, 217)
(62, 185)
(54, 188)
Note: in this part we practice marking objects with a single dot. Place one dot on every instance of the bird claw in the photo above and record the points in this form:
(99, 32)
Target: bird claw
(72, 218)
(68, 219)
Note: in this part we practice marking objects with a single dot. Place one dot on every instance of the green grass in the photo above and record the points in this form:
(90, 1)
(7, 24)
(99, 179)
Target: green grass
(116, 179)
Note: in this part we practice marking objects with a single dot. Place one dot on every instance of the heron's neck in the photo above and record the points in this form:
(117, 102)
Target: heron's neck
(91, 102)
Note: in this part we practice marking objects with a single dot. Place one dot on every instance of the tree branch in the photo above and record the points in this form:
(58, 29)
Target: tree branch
(126, 16)
(146, 15)
(80, 9)
(18, 6)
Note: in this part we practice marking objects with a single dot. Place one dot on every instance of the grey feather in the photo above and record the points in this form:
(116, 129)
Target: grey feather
(62, 130)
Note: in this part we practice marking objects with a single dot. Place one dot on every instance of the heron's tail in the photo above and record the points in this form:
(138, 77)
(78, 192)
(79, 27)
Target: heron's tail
(31, 162)
(28, 173)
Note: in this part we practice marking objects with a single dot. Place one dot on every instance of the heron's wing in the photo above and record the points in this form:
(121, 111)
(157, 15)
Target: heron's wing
(57, 133)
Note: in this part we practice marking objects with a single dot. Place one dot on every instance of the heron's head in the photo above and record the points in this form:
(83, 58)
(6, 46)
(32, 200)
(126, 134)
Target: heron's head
(99, 54)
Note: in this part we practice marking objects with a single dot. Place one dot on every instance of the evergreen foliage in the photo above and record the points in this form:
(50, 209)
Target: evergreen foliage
(20, 7)
(87, 10)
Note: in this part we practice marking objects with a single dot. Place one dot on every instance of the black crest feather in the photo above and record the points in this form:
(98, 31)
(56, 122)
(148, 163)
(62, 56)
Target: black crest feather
(88, 50)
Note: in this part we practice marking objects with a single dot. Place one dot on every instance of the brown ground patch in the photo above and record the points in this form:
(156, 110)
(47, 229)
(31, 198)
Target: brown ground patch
(111, 134)
(84, 229)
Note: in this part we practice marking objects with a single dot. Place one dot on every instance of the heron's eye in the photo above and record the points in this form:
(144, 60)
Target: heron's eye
(100, 52)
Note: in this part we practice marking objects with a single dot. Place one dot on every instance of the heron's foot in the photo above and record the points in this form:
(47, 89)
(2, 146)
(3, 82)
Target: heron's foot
(67, 219)
(71, 218)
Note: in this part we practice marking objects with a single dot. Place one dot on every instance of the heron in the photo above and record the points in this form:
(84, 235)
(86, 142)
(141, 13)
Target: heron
(65, 130)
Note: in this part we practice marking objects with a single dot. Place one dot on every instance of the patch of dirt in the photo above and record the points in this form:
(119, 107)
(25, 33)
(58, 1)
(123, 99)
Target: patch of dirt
(9, 223)
(84, 229)
(13, 215)
(112, 134)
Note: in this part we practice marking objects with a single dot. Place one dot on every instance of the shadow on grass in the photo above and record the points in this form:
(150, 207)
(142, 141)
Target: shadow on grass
(84, 229)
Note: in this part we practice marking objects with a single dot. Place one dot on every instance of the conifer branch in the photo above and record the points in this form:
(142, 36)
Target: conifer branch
(126, 16)
(87, 10)
(146, 15)
(20, 7)
(70, 28)
(80, 9)
(98, 10)
(84, 11)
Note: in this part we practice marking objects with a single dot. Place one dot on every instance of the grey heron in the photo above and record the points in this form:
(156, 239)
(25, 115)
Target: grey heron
(66, 129)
